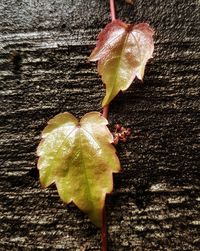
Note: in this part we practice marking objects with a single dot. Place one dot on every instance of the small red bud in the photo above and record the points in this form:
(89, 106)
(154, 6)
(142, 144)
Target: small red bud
(118, 127)
(116, 140)
(123, 140)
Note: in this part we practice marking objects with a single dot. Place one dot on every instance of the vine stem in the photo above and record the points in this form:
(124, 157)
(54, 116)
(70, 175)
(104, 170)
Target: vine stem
(104, 231)
(112, 9)
(105, 111)
(105, 115)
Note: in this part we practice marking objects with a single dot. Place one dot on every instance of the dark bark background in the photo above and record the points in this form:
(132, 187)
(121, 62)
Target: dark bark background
(44, 45)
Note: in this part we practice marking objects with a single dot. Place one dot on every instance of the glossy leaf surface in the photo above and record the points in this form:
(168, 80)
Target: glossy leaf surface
(80, 159)
(122, 52)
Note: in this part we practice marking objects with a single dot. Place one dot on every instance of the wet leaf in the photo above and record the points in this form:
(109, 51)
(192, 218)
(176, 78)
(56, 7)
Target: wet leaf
(80, 159)
(122, 52)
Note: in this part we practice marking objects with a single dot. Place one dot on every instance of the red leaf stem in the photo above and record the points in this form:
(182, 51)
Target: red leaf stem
(104, 232)
(105, 115)
(112, 9)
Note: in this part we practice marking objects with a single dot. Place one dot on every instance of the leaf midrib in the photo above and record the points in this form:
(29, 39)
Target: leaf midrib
(84, 167)
(118, 64)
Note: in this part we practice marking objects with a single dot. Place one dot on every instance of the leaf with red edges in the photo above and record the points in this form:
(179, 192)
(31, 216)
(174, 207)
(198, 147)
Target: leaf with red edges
(78, 156)
(122, 52)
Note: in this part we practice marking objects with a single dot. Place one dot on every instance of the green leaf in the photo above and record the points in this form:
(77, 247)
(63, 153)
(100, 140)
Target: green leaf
(122, 52)
(80, 159)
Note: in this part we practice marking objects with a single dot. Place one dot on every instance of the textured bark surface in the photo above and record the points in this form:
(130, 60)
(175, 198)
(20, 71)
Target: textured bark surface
(44, 47)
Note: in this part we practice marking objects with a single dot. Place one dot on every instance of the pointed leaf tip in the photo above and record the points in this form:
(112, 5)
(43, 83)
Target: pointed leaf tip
(122, 52)
(80, 159)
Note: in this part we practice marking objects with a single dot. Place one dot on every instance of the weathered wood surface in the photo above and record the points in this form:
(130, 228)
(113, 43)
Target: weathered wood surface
(44, 47)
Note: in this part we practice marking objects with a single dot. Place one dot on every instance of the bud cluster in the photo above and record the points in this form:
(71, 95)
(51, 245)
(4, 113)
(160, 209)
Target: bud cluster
(121, 133)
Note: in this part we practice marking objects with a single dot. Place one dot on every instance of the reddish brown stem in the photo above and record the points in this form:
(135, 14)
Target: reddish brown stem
(105, 115)
(105, 111)
(104, 231)
(112, 9)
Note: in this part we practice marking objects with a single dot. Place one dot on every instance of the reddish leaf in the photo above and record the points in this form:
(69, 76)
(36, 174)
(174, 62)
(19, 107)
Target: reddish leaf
(122, 52)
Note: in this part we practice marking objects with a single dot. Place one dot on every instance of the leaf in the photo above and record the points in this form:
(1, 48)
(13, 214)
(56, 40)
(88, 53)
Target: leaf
(79, 158)
(122, 52)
